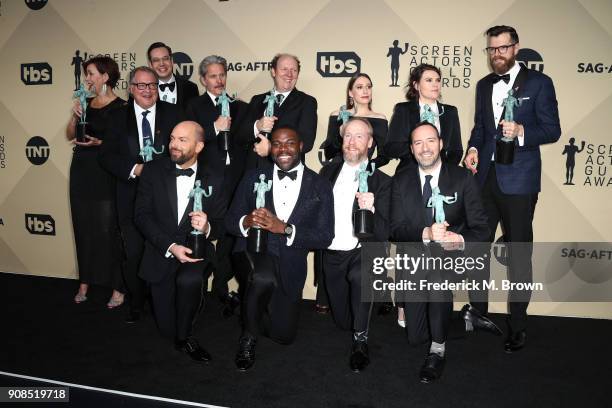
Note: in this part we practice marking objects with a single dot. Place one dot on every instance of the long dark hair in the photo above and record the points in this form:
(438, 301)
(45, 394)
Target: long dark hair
(349, 101)
(415, 76)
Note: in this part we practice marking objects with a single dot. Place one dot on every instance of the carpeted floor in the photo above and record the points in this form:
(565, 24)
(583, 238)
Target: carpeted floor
(566, 363)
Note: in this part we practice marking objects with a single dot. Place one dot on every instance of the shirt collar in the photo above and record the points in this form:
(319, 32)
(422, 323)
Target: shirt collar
(169, 81)
(138, 110)
(299, 168)
(435, 173)
(193, 167)
(212, 97)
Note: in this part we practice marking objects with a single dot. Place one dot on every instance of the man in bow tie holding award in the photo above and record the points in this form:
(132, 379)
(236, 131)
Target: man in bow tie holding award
(172, 89)
(178, 198)
(510, 188)
(298, 216)
(292, 108)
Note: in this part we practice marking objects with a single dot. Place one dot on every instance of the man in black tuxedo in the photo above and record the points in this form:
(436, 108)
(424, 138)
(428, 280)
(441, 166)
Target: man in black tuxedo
(510, 191)
(298, 217)
(142, 119)
(293, 108)
(412, 221)
(342, 259)
(227, 164)
(163, 212)
(172, 89)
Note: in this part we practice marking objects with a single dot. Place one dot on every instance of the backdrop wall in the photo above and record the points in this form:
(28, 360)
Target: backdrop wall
(569, 40)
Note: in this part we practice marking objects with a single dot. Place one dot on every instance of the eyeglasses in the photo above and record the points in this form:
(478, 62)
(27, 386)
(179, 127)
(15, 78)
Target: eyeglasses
(144, 85)
(162, 59)
(502, 49)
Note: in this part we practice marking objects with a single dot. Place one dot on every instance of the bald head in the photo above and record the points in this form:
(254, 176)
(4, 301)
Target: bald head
(186, 142)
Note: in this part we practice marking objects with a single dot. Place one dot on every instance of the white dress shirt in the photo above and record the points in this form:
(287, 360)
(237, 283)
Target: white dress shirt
(285, 95)
(434, 109)
(168, 95)
(345, 188)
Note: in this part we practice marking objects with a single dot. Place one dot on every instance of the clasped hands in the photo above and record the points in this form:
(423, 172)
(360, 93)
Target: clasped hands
(263, 218)
(264, 124)
(447, 239)
(199, 221)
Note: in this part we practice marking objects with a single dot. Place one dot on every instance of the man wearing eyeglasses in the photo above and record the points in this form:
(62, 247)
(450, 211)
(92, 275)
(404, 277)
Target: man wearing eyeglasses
(141, 121)
(172, 89)
(510, 191)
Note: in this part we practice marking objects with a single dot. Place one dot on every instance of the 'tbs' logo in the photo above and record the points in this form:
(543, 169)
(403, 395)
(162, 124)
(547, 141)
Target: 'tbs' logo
(36, 73)
(183, 65)
(338, 64)
(40, 224)
(37, 150)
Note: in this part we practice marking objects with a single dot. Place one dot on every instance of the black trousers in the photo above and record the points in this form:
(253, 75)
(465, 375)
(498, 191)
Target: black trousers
(133, 246)
(266, 308)
(223, 270)
(177, 300)
(342, 271)
(515, 213)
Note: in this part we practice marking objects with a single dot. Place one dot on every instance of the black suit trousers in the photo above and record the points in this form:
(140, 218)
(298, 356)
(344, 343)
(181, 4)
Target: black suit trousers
(177, 300)
(133, 246)
(265, 307)
(342, 271)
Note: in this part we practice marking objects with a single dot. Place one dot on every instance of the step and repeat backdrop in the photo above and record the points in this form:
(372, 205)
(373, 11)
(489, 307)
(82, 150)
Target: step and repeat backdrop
(41, 43)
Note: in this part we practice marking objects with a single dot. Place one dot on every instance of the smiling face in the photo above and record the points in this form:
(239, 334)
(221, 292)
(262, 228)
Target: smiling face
(428, 86)
(161, 61)
(285, 148)
(356, 141)
(185, 145)
(215, 78)
(94, 80)
(501, 63)
(426, 146)
(285, 74)
(145, 98)
(361, 91)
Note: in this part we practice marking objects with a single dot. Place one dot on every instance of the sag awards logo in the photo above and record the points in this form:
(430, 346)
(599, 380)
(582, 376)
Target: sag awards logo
(530, 59)
(455, 62)
(36, 73)
(125, 60)
(40, 224)
(338, 64)
(36, 4)
(249, 66)
(594, 68)
(37, 150)
(597, 163)
(183, 65)
(2, 153)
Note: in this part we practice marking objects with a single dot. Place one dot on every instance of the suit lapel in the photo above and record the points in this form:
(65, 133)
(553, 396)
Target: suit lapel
(179, 91)
(443, 119)
(517, 86)
(132, 130)
(170, 179)
(159, 122)
(414, 111)
(487, 99)
(304, 190)
(287, 103)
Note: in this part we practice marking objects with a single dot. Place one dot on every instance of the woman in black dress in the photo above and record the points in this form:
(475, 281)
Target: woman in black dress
(424, 86)
(358, 103)
(92, 189)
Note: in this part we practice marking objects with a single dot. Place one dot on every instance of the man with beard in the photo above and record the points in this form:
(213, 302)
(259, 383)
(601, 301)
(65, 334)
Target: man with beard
(428, 315)
(292, 108)
(342, 259)
(172, 89)
(163, 212)
(298, 216)
(510, 191)
(141, 121)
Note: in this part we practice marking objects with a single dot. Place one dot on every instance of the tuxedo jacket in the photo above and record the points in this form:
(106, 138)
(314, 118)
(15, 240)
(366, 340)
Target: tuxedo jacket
(299, 111)
(185, 92)
(313, 217)
(466, 216)
(406, 115)
(539, 115)
(155, 216)
(120, 150)
(379, 184)
(203, 111)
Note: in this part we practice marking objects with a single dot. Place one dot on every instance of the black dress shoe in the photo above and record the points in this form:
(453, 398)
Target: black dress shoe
(385, 308)
(359, 356)
(132, 317)
(432, 368)
(476, 320)
(231, 303)
(515, 341)
(193, 350)
(245, 358)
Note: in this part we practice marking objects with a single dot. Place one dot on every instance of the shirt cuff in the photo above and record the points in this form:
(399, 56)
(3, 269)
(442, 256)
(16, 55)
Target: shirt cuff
(291, 237)
(168, 253)
(244, 232)
(255, 130)
(216, 130)
(209, 229)
(521, 140)
(132, 175)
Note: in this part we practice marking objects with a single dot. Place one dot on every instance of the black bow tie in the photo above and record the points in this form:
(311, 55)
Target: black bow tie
(183, 172)
(291, 174)
(169, 85)
(505, 78)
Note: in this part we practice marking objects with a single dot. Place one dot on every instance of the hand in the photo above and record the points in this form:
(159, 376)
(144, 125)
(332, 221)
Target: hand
(138, 169)
(77, 109)
(223, 123)
(266, 123)
(438, 230)
(426, 235)
(452, 241)
(181, 253)
(471, 160)
(365, 200)
(199, 221)
(263, 147)
(268, 221)
(511, 129)
(91, 141)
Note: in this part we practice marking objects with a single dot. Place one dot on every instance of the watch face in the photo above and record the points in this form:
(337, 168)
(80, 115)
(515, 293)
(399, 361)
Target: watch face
(288, 230)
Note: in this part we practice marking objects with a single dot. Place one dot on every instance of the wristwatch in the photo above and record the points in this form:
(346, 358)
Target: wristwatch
(288, 230)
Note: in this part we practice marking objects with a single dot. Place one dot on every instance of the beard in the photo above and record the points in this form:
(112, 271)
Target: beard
(427, 163)
(179, 159)
(504, 66)
(353, 157)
